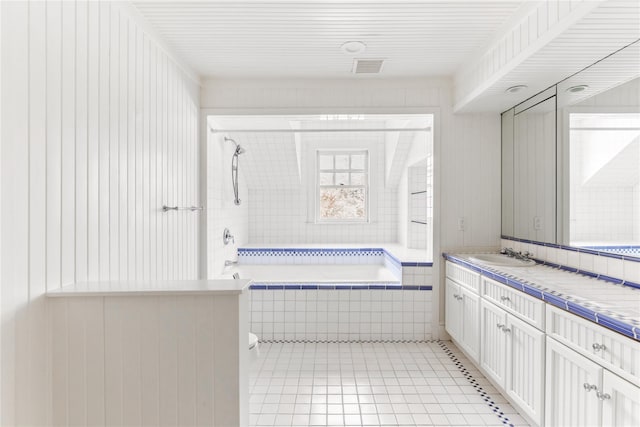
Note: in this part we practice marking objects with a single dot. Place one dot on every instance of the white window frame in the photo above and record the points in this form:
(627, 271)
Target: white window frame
(350, 170)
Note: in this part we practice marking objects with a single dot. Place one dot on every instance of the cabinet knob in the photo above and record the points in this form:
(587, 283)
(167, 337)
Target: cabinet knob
(598, 347)
(590, 387)
(603, 396)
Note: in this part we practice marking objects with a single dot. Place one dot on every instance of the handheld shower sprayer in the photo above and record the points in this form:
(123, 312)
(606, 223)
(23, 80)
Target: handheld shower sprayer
(234, 169)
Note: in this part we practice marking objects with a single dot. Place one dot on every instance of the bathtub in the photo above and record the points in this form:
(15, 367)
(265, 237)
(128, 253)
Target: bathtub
(315, 273)
(337, 293)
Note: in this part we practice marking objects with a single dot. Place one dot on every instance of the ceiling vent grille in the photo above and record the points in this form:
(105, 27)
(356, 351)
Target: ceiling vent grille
(367, 66)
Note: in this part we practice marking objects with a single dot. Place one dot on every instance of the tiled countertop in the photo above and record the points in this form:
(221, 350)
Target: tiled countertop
(613, 306)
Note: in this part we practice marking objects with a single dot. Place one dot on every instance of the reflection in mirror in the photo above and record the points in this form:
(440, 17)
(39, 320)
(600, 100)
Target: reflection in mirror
(534, 171)
(601, 155)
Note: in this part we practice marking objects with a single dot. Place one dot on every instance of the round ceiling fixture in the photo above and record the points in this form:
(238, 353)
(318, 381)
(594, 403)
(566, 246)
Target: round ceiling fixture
(516, 89)
(577, 88)
(353, 47)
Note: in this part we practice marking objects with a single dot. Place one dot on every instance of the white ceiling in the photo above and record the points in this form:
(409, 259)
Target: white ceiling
(263, 39)
(612, 25)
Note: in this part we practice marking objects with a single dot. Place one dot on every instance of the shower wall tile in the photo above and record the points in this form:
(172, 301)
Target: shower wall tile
(221, 210)
(281, 215)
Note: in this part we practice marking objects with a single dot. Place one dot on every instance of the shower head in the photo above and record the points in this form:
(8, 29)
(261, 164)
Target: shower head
(239, 149)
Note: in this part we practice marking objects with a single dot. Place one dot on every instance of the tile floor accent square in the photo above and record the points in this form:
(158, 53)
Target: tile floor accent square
(372, 384)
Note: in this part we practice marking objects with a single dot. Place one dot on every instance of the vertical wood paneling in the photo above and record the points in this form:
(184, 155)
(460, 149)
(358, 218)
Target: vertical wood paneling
(93, 119)
(53, 138)
(114, 145)
(68, 142)
(84, 156)
(103, 140)
(81, 138)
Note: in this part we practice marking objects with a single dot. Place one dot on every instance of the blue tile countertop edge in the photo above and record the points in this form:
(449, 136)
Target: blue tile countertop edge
(559, 301)
(334, 251)
(337, 286)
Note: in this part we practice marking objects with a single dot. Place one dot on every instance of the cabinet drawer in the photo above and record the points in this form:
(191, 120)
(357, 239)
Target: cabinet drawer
(527, 308)
(613, 351)
(463, 276)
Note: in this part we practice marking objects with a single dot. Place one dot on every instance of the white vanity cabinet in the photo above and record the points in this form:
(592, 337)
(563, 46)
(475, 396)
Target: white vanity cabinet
(557, 368)
(592, 374)
(462, 311)
(582, 393)
(512, 354)
(621, 402)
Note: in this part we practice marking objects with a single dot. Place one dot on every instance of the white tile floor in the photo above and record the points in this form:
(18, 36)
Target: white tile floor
(372, 384)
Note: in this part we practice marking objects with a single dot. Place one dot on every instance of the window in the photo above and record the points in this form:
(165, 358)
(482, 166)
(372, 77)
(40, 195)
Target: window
(343, 186)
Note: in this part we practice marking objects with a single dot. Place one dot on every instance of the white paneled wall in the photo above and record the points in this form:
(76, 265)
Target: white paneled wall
(221, 211)
(99, 130)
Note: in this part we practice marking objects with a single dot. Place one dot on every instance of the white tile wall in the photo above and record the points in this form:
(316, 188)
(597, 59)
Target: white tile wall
(99, 130)
(599, 264)
(281, 215)
(221, 211)
(417, 276)
(341, 314)
(420, 236)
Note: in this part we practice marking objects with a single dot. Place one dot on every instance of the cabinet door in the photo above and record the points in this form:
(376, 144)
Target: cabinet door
(470, 328)
(620, 401)
(569, 400)
(452, 312)
(493, 349)
(525, 367)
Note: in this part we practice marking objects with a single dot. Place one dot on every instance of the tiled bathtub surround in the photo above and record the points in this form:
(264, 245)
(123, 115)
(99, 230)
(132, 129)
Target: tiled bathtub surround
(408, 266)
(341, 314)
(610, 305)
(619, 268)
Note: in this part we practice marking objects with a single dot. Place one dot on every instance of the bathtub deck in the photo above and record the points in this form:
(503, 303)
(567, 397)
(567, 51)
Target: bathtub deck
(316, 273)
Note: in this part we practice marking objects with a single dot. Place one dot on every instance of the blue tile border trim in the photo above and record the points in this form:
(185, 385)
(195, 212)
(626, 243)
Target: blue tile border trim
(586, 249)
(322, 252)
(602, 317)
(337, 286)
(476, 385)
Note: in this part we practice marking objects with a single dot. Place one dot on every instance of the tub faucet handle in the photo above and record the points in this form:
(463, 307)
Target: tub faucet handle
(227, 237)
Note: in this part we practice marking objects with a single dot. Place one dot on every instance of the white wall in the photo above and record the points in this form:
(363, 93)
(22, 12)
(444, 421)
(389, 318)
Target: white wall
(221, 211)
(99, 130)
(466, 152)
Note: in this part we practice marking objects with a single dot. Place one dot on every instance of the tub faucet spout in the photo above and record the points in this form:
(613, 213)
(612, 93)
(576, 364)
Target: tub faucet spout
(228, 263)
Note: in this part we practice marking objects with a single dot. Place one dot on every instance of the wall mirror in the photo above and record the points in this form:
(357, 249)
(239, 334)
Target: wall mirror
(599, 158)
(529, 169)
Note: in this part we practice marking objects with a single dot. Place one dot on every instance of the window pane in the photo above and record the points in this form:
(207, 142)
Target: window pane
(342, 179)
(326, 162)
(357, 161)
(342, 203)
(358, 179)
(326, 179)
(342, 162)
